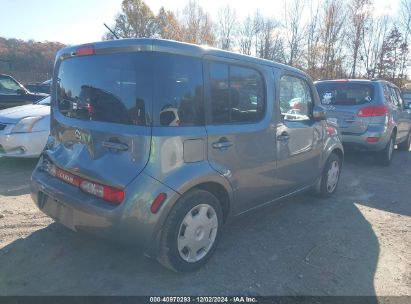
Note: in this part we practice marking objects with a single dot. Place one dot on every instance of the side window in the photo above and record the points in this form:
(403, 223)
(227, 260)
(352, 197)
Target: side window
(237, 94)
(8, 86)
(400, 99)
(247, 95)
(178, 92)
(295, 98)
(387, 94)
(219, 92)
(394, 98)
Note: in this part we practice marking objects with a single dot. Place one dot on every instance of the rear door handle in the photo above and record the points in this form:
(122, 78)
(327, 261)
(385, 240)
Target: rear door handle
(222, 145)
(283, 137)
(115, 146)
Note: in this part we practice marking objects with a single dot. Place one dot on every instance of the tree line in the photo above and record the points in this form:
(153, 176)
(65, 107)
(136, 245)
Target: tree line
(28, 60)
(325, 38)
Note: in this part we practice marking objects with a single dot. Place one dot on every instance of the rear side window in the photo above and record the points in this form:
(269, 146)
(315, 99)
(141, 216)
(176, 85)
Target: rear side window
(345, 93)
(237, 94)
(114, 88)
(178, 91)
(395, 99)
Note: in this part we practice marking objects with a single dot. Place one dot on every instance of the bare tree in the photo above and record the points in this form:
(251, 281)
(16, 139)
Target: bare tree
(294, 29)
(312, 34)
(227, 26)
(372, 51)
(358, 15)
(332, 35)
(270, 43)
(246, 35)
(258, 25)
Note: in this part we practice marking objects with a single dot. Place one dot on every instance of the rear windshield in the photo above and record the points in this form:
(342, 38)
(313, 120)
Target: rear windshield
(119, 88)
(111, 88)
(344, 93)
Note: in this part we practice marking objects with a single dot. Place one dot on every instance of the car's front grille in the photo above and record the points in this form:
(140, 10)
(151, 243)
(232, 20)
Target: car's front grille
(2, 126)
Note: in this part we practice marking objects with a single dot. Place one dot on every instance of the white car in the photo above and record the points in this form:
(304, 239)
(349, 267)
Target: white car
(24, 130)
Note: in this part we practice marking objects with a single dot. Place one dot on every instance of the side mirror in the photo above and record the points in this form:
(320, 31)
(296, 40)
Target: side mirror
(319, 113)
(21, 92)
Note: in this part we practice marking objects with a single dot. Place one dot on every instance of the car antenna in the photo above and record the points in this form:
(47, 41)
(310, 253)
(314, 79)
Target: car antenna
(111, 31)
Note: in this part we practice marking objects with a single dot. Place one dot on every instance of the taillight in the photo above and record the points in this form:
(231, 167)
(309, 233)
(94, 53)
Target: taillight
(107, 193)
(85, 51)
(92, 188)
(373, 111)
(113, 195)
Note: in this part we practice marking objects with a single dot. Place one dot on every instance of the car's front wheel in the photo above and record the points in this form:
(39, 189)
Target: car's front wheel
(191, 231)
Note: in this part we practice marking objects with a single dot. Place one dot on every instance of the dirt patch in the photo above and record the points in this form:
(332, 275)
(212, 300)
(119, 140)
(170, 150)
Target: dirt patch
(356, 243)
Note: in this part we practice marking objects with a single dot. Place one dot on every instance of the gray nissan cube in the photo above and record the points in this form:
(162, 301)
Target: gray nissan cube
(157, 144)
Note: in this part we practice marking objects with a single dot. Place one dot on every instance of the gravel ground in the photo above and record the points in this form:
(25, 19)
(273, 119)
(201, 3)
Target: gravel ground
(356, 243)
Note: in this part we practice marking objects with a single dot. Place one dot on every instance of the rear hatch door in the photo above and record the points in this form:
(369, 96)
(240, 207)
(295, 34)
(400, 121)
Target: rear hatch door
(343, 100)
(101, 107)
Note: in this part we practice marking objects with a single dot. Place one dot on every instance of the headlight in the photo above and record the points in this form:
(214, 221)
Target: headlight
(26, 124)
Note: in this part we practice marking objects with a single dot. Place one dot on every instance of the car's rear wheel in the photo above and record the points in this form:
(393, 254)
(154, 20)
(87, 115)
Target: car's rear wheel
(191, 231)
(330, 176)
(405, 145)
(384, 156)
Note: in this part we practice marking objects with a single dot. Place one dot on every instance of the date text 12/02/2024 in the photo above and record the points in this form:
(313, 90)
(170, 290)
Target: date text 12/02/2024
(204, 299)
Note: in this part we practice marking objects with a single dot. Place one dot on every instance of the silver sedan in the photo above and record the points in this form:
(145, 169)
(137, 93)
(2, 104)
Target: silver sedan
(24, 130)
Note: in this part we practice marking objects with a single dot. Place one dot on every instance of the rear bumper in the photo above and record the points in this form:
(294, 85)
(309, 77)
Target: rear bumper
(24, 145)
(130, 223)
(359, 141)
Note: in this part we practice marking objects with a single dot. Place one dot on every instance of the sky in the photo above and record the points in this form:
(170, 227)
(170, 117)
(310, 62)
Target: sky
(81, 21)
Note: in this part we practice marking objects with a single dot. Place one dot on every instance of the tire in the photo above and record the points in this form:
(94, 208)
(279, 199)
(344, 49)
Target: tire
(191, 231)
(330, 177)
(405, 145)
(384, 156)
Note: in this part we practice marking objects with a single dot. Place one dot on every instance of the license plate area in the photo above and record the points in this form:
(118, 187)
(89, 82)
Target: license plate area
(57, 210)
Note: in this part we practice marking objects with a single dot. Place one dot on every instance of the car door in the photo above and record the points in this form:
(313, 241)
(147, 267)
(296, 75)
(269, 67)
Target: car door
(299, 136)
(241, 134)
